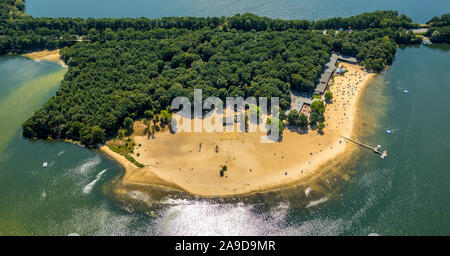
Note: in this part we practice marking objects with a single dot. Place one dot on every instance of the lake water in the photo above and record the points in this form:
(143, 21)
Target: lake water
(405, 194)
(420, 11)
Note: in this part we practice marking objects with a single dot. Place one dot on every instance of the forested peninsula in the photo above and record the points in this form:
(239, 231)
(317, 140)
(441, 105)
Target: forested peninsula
(120, 69)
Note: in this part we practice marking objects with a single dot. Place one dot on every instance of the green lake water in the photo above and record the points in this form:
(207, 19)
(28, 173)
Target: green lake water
(406, 194)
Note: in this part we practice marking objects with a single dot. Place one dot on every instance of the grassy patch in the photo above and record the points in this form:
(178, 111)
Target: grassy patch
(124, 148)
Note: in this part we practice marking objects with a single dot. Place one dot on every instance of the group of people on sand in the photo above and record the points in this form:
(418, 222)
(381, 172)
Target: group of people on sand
(346, 93)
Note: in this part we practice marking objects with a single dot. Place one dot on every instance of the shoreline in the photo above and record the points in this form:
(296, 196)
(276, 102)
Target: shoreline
(198, 174)
(130, 168)
(46, 55)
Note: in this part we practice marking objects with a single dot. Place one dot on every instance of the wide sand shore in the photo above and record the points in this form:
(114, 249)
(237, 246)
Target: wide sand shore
(54, 56)
(192, 161)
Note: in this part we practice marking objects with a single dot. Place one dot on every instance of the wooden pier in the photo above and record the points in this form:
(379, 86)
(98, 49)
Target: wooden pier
(375, 149)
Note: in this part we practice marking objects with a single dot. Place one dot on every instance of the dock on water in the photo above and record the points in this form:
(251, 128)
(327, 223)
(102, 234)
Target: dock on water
(376, 149)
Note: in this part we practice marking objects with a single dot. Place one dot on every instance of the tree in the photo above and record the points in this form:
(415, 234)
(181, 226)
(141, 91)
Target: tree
(165, 117)
(318, 106)
(98, 135)
(276, 120)
(293, 117)
(28, 132)
(315, 118)
(132, 66)
(90, 136)
(74, 130)
(149, 114)
(128, 125)
(321, 126)
(282, 114)
(301, 84)
(441, 34)
(302, 121)
(156, 119)
(328, 96)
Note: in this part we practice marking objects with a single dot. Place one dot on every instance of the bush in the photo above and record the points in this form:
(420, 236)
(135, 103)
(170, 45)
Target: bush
(321, 126)
(149, 114)
(293, 117)
(165, 117)
(328, 96)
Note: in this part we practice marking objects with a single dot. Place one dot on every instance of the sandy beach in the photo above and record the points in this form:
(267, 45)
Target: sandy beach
(46, 55)
(192, 161)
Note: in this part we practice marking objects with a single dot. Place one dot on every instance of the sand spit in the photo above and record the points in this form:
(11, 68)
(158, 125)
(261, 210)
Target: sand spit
(192, 161)
(46, 55)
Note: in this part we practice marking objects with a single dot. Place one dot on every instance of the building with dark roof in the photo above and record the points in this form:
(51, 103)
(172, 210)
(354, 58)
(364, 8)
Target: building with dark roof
(329, 68)
(344, 58)
(323, 81)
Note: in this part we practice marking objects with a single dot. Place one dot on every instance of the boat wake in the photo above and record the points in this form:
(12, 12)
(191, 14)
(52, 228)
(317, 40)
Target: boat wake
(88, 188)
(317, 202)
(87, 165)
(308, 191)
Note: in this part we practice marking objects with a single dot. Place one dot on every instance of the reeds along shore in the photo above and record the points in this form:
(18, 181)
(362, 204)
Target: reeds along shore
(174, 160)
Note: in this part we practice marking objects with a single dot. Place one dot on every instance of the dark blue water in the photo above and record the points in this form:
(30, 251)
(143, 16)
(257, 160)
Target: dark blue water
(420, 11)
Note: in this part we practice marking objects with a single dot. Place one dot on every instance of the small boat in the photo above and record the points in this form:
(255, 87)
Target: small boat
(388, 131)
(384, 155)
(427, 42)
(405, 91)
(44, 165)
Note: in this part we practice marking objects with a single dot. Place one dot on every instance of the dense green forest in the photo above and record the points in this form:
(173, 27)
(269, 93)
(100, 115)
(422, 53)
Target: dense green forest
(439, 31)
(109, 81)
(121, 68)
(12, 9)
(28, 33)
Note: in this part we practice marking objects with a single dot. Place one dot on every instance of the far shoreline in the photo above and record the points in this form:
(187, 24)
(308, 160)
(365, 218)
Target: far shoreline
(201, 183)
